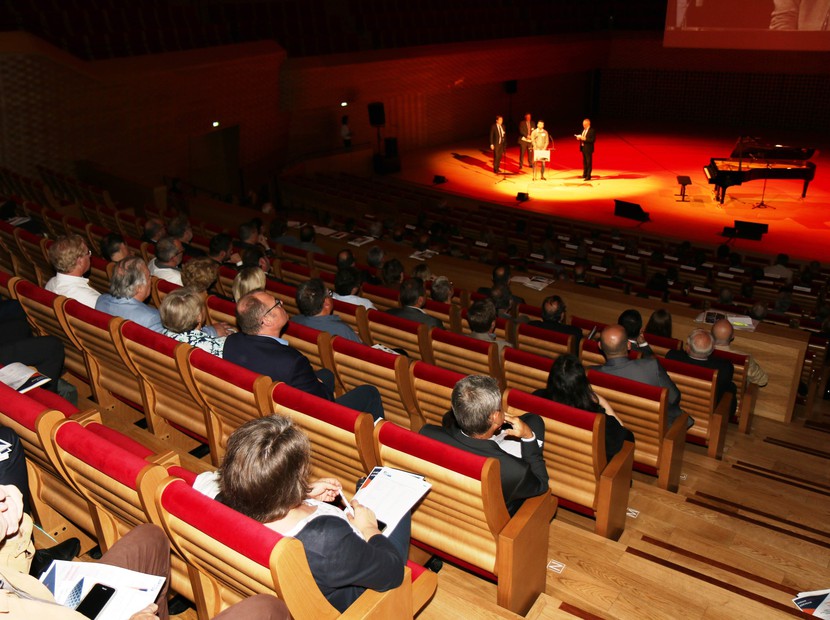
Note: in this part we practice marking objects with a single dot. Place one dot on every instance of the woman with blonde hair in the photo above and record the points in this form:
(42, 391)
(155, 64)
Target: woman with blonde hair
(248, 280)
(182, 315)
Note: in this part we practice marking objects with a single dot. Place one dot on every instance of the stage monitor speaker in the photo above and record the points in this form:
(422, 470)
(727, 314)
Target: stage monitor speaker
(522, 197)
(750, 230)
(385, 165)
(511, 87)
(439, 179)
(390, 146)
(377, 114)
(631, 210)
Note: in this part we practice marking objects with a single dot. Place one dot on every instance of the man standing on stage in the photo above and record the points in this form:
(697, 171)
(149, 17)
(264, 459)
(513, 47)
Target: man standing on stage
(800, 15)
(525, 129)
(497, 142)
(540, 140)
(586, 145)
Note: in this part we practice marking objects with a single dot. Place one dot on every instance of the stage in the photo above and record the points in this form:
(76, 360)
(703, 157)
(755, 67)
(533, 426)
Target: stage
(642, 167)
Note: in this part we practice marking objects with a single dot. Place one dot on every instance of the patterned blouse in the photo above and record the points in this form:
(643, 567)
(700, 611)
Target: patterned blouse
(199, 339)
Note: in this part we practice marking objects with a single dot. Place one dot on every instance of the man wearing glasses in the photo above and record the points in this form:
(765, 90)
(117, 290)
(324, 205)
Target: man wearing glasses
(257, 346)
(315, 305)
(69, 256)
(165, 266)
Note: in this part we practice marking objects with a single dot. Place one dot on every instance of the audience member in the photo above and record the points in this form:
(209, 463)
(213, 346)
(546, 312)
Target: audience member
(345, 258)
(374, 258)
(699, 347)
(477, 424)
(632, 322)
(391, 274)
(723, 334)
(248, 279)
(199, 274)
(553, 318)
(481, 317)
(779, 269)
(258, 347)
(422, 270)
(113, 248)
(249, 235)
(442, 290)
(412, 299)
(568, 385)
(256, 256)
(17, 344)
(70, 257)
(129, 289)
(265, 475)
(615, 345)
(165, 264)
(278, 233)
(501, 275)
(315, 305)
(154, 230)
(183, 315)
(179, 228)
(307, 240)
(347, 283)
(221, 250)
(758, 312)
(659, 323)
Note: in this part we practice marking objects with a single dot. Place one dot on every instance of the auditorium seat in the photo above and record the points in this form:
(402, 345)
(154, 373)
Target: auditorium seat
(525, 371)
(432, 390)
(398, 333)
(465, 355)
(313, 343)
(541, 341)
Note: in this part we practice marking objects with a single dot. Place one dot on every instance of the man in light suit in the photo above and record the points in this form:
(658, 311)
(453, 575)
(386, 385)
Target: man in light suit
(525, 129)
(413, 298)
(586, 145)
(497, 142)
(614, 344)
(257, 346)
(477, 424)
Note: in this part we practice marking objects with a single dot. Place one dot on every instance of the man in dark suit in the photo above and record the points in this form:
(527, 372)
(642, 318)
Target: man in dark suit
(699, 347)
(614, 344)
(257, 346)
(413, 298)
(586, 145)
(525, 129)
(632, 322)
(497, 142)
(477, 424)
(553, 318)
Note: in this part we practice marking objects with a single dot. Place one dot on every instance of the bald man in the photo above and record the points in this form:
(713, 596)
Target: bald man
(614, 344)
(724, 334)
(699, 347)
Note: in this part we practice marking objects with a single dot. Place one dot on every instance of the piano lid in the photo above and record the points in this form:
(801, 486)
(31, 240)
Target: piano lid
(748, 147)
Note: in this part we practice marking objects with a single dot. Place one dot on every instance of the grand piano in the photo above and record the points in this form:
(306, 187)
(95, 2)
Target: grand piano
(753, 158)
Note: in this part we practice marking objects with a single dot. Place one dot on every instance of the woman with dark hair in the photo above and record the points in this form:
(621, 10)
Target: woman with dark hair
(265, 475)
(568, 385)
(659, 323)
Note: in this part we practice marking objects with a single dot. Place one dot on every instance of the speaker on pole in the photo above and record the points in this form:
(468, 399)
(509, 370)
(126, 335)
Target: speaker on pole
(750, 230)
(391, 147)
(377, 115)
(630, 210)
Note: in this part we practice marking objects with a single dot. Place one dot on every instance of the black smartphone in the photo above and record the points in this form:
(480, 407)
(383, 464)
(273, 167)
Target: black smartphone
(95, 600)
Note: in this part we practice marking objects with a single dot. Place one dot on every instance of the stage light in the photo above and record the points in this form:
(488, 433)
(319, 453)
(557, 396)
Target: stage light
(215, 123)
(522, 197)
(438, 179)
(344, 104)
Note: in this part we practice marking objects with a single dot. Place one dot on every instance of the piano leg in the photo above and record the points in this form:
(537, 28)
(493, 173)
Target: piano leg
(806, 185)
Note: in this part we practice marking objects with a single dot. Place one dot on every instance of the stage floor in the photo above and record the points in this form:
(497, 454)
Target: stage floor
(642, 167)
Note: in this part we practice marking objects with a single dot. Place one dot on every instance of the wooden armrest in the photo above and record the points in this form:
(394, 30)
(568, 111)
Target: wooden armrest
(718, 424)
(166, 459)
(522, 552)
(395, 603)
(747, 408)
(612, 493)
(88, 416)
(671, 455)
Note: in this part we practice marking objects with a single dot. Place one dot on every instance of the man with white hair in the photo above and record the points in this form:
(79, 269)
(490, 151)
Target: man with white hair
(699, 347)
(129, 289)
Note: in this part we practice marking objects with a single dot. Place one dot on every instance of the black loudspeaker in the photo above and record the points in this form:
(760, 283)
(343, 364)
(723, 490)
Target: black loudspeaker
(390, 145)
(511, 87)
(438, 179)
(522, 197)
(385, 165)
(631, 210)
(377, 115)
(750, 230)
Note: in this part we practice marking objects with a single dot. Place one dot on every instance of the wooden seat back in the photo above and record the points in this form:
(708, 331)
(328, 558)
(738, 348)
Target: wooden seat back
(33, 249)
(658, 449)
(231, 395)
(662, 345)
(358, 364)
(220, 311)
(399, 333)
(541, 341)
(99, 274)
(448, 314)
(286, 293)
(159, 289)
(579, 472)
(313, 343)
(587, 325)
(747, 392)
(383, 297)
(432, 390)
(354, 316)
(341, 438)
(463, 517)
(465, 355)
(293, 273)
(525, 371)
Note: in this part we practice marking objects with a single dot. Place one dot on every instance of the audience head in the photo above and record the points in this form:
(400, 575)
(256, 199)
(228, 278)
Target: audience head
(422, 271)
(347, 281)
(725, 296)
(200, 273)
(553, 309)
(481, 316)
(659, 323)
(723, 332)
(501, 297)
(758, 312)
(260, 313)
(221, 247)
(374, 257)
(249, 232)
(154, 230)
(113, 247)
(180, 228)
(313, 298)
(632, 322)
(130, 278)
(345, 258)
(568, 384)
(441, 289)
(782, 259)
(700, 344)
(255, 256)
(412, 293)
(266, 468)
(391, 274)
(277, 228)
(501, 274)
(182, 311)
(614, 342)
(476, 404)
(307, 234)
(169, 251)
(70, 255)
(249, 279)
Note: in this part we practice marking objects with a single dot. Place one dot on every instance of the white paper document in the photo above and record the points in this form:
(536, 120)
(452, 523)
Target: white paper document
(391, 493)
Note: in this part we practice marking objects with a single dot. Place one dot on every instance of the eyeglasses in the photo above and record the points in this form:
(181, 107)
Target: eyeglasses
(277, 304)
